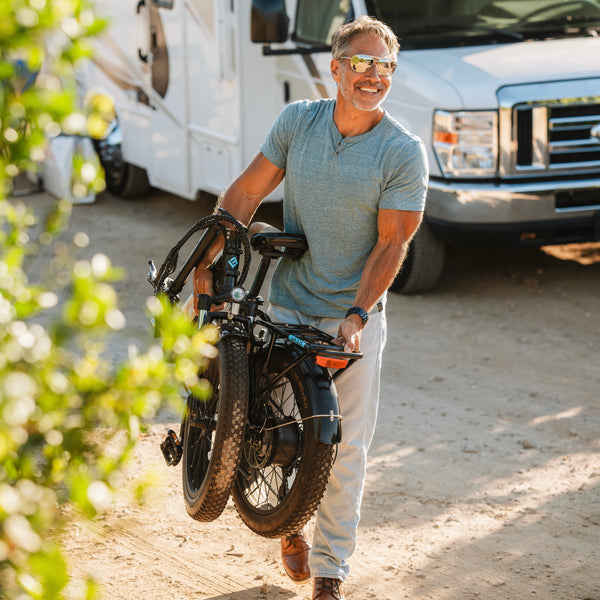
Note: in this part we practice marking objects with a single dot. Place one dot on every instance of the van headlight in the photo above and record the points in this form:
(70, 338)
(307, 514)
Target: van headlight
(466, 142)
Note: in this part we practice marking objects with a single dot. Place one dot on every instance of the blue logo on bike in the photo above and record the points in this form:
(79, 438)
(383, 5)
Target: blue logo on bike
(298, 341)
(233, 262)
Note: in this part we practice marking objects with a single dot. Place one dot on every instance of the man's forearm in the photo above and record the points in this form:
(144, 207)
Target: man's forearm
(238, 206)
(396, 230)
(380, 270)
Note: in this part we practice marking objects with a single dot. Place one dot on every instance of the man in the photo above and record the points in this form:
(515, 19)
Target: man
(355, 185)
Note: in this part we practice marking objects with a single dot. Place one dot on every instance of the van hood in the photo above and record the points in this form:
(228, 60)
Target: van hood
(472, 75)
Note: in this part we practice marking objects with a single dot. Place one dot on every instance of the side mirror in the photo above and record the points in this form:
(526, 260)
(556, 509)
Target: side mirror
(269, 21)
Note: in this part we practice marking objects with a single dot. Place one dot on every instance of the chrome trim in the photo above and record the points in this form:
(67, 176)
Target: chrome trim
(509, 202)
(539, 99)
(539, 142)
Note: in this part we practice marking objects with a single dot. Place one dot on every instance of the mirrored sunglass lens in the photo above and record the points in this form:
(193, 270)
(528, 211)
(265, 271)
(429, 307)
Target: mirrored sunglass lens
(361, 64)
(385, 68)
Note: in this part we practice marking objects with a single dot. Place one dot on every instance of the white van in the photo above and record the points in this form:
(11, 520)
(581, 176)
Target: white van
(505, 94)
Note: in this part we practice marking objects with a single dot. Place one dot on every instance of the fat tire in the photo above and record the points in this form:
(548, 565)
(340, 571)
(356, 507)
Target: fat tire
(210, 459)
(310, 472)
(423, 265)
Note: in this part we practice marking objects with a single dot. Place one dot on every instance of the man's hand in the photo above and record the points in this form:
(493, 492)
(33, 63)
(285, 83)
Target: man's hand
(203, 283)
(349, 333)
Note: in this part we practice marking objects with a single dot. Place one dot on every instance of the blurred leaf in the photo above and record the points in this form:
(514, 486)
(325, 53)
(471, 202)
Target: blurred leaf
(69, 419)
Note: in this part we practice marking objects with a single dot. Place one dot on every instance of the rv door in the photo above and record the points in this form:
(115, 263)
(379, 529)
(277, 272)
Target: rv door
(169, 168)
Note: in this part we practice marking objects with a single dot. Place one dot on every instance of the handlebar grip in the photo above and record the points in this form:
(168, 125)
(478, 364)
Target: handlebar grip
(194, 259)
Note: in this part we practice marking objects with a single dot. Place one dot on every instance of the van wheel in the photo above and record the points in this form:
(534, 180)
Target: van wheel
(126, 180)
(122, 178)
(423, 265)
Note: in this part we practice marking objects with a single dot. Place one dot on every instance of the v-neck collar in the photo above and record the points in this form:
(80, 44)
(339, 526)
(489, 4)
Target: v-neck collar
(339, 141)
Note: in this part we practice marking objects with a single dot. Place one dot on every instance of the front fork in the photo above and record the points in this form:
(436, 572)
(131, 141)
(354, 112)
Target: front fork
(172, 446)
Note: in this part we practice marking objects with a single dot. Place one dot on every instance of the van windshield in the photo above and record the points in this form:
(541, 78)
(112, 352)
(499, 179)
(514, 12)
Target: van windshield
(443, 23)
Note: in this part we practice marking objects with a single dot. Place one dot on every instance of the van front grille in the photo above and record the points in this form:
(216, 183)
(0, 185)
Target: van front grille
(570, 138)
(543, 133)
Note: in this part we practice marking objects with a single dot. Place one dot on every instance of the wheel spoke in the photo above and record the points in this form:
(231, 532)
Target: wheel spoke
(285, 467)
(267, 485)
(268, 482)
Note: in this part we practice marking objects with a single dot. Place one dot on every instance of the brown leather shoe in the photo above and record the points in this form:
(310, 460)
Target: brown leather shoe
(327, 588)
(294, 553)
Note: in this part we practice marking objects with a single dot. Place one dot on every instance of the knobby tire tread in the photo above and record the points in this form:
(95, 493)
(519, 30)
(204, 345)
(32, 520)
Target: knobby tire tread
(209, 502)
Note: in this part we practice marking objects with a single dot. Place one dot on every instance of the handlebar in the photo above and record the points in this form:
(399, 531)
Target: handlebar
(193, 260)
(213, 225)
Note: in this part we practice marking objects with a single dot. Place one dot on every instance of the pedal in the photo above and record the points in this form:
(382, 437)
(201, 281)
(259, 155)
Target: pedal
(172, 448)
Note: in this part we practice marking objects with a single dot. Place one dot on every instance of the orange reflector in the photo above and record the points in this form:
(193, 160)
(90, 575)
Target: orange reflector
(331, 363)
(447, 137)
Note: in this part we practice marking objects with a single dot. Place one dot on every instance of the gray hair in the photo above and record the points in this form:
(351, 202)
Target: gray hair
(363, 25)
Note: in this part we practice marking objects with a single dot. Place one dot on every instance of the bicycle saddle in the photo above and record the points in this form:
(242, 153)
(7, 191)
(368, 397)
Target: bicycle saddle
(270, 242)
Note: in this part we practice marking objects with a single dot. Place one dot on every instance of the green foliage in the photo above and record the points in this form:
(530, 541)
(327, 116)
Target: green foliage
(68, 417)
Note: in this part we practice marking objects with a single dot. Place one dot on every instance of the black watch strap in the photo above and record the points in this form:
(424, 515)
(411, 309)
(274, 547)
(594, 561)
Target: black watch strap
(361, 312)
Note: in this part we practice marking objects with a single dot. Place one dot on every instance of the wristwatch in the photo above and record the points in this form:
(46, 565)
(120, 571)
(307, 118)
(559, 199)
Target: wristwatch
(361, 312)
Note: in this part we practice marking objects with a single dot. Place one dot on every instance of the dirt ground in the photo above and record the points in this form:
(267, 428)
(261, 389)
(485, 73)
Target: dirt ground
(484, 475)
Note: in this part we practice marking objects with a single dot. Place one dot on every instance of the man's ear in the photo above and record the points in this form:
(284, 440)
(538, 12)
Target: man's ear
(335, 69)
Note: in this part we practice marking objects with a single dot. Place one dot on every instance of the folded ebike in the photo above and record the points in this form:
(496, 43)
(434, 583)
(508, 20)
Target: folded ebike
(268, 433)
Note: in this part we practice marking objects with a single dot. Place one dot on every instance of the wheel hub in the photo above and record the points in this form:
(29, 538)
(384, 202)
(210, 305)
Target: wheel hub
(277, 443)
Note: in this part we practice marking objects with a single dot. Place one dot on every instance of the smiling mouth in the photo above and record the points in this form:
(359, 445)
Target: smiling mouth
(369, 90)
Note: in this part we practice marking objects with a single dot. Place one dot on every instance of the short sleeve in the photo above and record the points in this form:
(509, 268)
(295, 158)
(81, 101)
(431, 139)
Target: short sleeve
(276, 145)
(407, 187)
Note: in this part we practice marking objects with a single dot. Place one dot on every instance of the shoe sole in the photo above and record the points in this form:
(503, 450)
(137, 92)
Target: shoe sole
(298, 581)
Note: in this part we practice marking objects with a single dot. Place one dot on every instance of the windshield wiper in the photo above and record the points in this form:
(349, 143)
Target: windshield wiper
(430, 28)
(461, 29)
(565, 25)
(505, 33)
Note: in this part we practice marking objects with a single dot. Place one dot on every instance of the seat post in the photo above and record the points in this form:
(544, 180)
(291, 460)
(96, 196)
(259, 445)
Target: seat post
(259, 277)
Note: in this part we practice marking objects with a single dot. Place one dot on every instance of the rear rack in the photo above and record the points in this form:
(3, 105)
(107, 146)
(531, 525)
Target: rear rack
(313, 341)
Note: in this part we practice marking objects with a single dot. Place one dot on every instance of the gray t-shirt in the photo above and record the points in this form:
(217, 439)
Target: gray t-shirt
(334, 187)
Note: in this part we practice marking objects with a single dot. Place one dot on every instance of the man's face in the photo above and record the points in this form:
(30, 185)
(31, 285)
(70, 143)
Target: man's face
(364, 91)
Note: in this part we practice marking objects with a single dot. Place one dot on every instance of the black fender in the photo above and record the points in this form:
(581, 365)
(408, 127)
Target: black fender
(321, 392)
(232, 328)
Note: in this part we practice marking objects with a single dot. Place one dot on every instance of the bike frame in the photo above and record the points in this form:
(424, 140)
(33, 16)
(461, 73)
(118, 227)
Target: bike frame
(311, 351)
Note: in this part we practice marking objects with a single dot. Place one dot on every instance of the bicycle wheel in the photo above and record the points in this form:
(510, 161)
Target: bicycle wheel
(284, 469)
(213, 432)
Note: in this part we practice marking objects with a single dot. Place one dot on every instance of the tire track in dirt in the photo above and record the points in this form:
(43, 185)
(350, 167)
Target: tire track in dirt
(184, 567)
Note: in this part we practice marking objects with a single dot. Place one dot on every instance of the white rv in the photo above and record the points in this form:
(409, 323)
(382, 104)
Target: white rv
(505, 94)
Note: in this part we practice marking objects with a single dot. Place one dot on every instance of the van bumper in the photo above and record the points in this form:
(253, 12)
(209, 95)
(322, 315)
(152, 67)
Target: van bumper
(516, 213)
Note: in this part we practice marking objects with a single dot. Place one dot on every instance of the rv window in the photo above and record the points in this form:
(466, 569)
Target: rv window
(316, 20)
(164, 3)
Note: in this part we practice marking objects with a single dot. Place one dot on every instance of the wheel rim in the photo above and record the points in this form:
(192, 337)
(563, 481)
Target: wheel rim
(115, 168)
(272, 451)
(201, 426)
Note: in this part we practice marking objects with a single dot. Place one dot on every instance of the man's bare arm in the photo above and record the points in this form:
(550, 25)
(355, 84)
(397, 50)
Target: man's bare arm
(396, 228)
(241, 199)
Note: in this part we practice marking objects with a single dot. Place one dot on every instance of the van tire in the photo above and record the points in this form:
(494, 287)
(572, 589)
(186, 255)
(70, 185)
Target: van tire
(423, 265)
(126, 180)
(122, 178)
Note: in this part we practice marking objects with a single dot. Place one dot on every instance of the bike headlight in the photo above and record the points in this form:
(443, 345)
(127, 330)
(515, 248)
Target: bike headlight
(466, 142)
(238, 294)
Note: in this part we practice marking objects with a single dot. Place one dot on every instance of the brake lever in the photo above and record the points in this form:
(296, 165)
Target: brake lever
(152, 273)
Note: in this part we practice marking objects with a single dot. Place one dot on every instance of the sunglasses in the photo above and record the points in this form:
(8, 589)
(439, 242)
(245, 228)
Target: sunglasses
(363, 63)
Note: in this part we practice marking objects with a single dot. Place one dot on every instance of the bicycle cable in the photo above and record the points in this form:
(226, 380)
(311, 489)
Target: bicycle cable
(170, 263)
